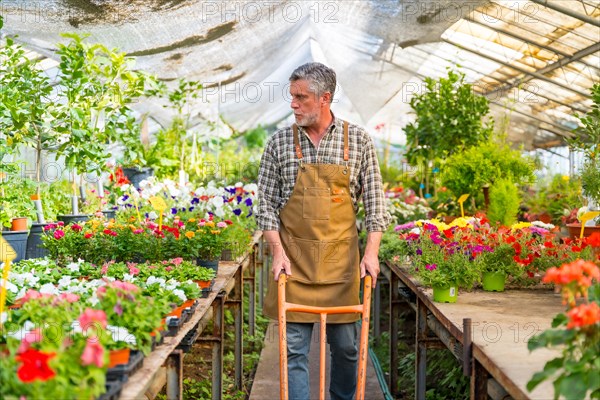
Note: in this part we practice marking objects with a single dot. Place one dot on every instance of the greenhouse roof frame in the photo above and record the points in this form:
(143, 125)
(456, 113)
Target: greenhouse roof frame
(534, 60)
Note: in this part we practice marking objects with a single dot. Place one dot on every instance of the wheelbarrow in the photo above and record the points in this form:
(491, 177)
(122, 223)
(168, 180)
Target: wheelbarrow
(364, 309)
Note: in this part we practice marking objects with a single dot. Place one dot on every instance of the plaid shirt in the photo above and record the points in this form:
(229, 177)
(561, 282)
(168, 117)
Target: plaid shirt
(279, 168)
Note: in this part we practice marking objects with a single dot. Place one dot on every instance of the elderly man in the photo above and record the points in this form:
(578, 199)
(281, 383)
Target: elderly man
(311, 177)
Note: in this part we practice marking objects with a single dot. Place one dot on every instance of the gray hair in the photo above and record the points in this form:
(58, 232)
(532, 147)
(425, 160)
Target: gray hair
(321, 78)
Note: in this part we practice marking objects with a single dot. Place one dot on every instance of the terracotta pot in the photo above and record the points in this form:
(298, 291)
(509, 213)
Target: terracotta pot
(575, 230)
(176, 312)
(188, 303)
(18, 224)
(203, 284)
(118, 357)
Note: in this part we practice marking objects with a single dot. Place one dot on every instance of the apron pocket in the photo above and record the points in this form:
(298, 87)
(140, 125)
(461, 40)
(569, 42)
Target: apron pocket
(316, 203)
(338, 261)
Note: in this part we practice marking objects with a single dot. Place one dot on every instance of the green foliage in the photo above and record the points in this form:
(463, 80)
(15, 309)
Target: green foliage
(504, 202)
(15, 194)
(588, 141)
(448, 119)
(469, 171)
(557, 198)
(391, 247)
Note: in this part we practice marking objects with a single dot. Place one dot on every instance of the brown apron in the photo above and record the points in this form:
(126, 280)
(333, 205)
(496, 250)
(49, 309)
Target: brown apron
(318, 234)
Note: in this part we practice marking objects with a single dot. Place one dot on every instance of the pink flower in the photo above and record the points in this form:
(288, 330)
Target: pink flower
(93, 353)
(76, 227)
(60, 223)
(125, 286)
(59, 234)
(50, 226)
(138, 231)
(177, 261)
(33, 294)
(90, 316)
(133, 270)
(33, 336)
(118, 309)
(69, 297)
(202, 223)
(221, 224)
(168, 269)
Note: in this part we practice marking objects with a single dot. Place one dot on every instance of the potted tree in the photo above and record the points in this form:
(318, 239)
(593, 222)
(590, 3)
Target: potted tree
(588, 142)
(98, 85)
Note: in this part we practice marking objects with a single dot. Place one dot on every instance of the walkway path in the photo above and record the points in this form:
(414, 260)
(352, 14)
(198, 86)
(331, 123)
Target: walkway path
(266, 381)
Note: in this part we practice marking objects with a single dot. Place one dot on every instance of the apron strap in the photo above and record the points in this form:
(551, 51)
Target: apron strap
(346, 149)
(297, 142)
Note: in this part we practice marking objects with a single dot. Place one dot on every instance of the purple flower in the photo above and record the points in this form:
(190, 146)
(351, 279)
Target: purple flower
(173, 210)
(436, 239)
(431, 267)
(419, 252)
(406, 226)
(195, 200)
(238, 199)
(230, 189)
(237, 212)
(118, 309)
(249, 214)
(125, 197)
(191, 209)
(248, 202)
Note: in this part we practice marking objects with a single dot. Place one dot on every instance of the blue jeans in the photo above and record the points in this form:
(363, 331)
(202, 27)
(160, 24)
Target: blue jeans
(344, 358)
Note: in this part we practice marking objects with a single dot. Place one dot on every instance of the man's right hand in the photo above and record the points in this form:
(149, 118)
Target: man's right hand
(281, 263)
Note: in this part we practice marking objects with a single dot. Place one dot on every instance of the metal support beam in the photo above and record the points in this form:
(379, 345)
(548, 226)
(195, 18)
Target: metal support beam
(421, 351)
(551, 67)
(519, 69)
(479, 382)
(377, 311)
(174, 365)
(238, 319)
(394, 317)
(526, 40)
(217, 353)
(567, 11)
(252, 291)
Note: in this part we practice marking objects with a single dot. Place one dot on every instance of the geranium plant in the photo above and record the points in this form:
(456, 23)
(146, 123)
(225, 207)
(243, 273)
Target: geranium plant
(577, 332)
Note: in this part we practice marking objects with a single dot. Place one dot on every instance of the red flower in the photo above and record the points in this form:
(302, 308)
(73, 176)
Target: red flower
(583, 315)
(593, 240)
(119, 177)
(110, 232)
(88, 235)
(59, 234)
(35, 366)
(76, 227)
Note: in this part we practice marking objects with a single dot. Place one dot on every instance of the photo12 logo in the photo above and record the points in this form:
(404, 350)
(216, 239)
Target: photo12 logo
(271, 11)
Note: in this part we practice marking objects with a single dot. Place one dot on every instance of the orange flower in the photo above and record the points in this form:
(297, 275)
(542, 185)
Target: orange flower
(575, 278)
(583, 315)
(192, 220)
(593, 240)
(190, 234)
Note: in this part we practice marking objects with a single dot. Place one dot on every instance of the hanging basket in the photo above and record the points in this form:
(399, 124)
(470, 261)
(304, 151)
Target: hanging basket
(493, 281)
(445, 294)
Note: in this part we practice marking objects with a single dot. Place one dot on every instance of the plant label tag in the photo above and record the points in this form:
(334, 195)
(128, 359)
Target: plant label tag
(452, 291)
(158, 203)
(7, 253)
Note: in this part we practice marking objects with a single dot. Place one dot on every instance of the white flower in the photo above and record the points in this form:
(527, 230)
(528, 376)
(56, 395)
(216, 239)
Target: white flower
(64, 281)
(43, 262)
(219, 212)
(24, 330)
(73, 267)
(10, 286)
(180, 293)
(48, 288)
(3, 317)
(120, 334)
(251, 188)
(543, 225)
(152, 279)
(128, 278)
(152, 215)
(93, 300)
(239, 184)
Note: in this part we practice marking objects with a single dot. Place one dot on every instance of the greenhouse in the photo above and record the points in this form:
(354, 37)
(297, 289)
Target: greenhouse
(300, 199)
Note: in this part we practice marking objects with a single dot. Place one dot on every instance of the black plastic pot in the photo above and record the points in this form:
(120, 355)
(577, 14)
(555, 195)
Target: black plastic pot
(136, 175)
(67, 219)
(109, 214)
(212, 264)
(18, 241)
(35, 247)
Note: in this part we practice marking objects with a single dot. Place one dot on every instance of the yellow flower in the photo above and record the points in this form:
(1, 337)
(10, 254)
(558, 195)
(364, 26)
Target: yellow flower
(192, 220)
(565, 177)
(210, 223)
(132, 218)
(190, 234)
(215, 232)
(520, 225)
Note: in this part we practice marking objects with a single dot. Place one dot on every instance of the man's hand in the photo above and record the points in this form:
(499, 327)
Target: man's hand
(370, 261)
(281, 264)
(370, 264)
(280, 260)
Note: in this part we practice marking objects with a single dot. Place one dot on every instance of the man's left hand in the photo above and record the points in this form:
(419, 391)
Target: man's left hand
(370, 264)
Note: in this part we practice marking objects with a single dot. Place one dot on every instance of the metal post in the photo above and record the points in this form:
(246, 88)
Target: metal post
(174, 365)
(252, 292)
(421, 350)
(394, 315)
(239, 327)
(217, 356)
(377, 311)
(467, 346)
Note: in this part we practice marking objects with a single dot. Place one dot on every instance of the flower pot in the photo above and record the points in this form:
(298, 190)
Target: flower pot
(493, 281)
(204, 284)
(176, 312)
(188, 303)
(67, 219)
(212, 264)
(118, 357)
(35, 248)
(445, 294)
(109, 214)
(19, 224)
(18, 241)
(136, 175)
(575, 230)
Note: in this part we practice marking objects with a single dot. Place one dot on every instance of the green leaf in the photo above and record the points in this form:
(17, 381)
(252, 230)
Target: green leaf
(560, 319)
(573, 387)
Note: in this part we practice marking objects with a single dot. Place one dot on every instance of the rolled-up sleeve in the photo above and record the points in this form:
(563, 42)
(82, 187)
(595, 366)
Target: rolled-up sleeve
(269, 190)
(377, 217)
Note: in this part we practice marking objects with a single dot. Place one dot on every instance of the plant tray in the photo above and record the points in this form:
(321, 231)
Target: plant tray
(206, 292)
(113, 390)
(123, 372)
(173, 326)
(189, 339)
(155, 342)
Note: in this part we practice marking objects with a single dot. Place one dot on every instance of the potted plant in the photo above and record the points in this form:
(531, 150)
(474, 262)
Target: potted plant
(588, 142)
(15, 212)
